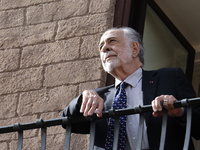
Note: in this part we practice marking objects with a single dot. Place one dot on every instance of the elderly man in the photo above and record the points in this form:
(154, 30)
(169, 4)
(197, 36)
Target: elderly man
(121, 53)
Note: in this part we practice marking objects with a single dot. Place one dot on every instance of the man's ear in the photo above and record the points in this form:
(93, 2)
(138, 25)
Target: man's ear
(135, 48)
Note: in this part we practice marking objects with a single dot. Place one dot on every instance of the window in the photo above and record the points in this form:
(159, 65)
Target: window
(162, 48)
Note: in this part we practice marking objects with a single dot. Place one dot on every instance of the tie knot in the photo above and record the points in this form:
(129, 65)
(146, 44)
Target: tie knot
(123, 84)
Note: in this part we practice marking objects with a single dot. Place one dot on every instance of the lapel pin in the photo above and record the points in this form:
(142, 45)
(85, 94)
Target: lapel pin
(150, 81)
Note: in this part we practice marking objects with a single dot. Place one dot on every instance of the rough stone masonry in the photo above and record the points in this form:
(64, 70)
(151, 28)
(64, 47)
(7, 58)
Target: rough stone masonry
(48, 55)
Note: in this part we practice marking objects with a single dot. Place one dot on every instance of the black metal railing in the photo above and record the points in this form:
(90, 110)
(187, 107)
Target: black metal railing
(44, 124)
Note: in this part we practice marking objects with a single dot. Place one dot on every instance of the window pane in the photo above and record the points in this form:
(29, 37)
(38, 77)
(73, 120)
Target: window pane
(162, 49)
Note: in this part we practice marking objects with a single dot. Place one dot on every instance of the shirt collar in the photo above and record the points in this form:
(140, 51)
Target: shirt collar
(132, 80)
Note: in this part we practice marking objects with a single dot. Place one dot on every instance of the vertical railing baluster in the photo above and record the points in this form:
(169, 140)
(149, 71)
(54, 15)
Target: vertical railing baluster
(20, 136)
(67, 137)
(20, 140)
(116, 133)
(188, 128)
(140, 132)
(67, 124)
(40, 123)
(163, 131)
(43, 138)
(92, 135)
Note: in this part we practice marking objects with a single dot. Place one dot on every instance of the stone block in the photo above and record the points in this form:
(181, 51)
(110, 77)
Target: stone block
(90, 85)
(44, 100)
(22, 80)
(13, 144)
(56, 11)
(28, 35)
(61, 96)
(78, 26)
(51, 115)
(89, 46)
(11, 18)
(8, 106)
(38, 14)
(28, 144)
(56, 142)
(99, 6)
(50, 53)
(9, 59)
(12, 121)
(79, 141)
(73, 72)
(8, 4)
(4, 146)
(8, 136)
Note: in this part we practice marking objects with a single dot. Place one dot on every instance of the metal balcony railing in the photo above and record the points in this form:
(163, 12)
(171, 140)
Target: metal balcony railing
(44, 124)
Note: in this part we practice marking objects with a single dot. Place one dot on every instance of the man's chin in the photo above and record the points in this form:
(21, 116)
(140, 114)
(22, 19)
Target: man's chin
(109, 68)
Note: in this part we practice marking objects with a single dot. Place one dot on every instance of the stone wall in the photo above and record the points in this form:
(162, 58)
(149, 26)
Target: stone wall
(48, 55)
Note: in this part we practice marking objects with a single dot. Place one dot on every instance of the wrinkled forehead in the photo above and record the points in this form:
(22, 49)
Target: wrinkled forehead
(111, 34)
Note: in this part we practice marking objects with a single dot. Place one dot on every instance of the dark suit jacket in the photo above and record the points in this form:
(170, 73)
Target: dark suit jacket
(170, 81)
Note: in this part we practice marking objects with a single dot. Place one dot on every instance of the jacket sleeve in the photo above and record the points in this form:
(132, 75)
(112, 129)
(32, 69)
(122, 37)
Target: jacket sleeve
(73, 110)
(185, 90)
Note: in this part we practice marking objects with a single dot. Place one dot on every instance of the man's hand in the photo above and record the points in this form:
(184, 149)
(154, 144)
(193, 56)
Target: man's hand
(168, 101)
(91, 102)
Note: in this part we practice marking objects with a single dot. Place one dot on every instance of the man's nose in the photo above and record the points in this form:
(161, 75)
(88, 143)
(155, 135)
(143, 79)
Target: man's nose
(106, 48)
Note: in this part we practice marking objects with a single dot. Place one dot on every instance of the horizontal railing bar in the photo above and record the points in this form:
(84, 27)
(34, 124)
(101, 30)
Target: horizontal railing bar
(106, 114)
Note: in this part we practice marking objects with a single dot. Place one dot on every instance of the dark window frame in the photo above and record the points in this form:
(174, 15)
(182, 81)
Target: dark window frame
(179, 36)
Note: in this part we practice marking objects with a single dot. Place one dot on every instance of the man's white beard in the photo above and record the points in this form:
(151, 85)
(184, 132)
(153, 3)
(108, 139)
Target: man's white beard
(110, 65)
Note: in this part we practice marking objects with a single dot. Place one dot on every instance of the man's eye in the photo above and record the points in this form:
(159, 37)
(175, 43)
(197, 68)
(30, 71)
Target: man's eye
(112, 40)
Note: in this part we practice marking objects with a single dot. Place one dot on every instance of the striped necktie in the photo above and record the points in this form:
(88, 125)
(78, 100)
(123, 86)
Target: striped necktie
(118, 103)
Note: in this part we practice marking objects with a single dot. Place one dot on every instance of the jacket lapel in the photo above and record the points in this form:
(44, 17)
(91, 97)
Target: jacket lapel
(109, 96)
(149, 88)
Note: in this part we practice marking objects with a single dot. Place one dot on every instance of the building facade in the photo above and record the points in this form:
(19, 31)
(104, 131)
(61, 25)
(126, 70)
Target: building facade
(49, 55)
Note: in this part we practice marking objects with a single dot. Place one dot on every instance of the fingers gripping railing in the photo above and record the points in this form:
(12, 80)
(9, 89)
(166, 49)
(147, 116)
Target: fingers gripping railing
(44, 124)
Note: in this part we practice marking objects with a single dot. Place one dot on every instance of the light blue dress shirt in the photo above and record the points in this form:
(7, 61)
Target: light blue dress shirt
(134, 98)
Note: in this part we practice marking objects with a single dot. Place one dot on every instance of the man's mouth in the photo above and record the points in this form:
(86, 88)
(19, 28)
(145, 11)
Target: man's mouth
(109, 57)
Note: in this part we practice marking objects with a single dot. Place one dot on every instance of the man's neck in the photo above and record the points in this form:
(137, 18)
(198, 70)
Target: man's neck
(123, 74)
